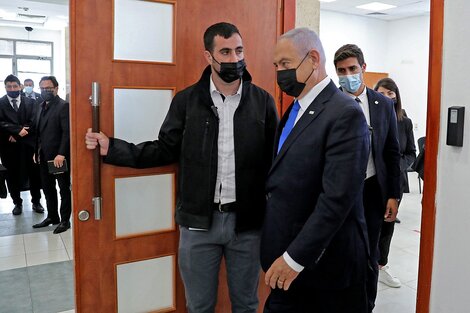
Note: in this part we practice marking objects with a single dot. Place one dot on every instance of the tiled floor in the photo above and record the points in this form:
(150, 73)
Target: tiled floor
(403, 258)
(36, 269)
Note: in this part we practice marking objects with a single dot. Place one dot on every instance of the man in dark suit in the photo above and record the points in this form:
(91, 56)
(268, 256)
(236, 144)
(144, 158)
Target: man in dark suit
(53, 145)
(314, 240)
(17, 141)
(382, 185)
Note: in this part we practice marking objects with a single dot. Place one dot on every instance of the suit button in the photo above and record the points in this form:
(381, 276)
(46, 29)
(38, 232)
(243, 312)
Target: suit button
(268, 195)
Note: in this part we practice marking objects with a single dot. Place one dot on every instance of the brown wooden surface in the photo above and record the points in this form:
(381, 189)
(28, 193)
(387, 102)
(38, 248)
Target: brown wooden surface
(371, 78)
(428, 216)
(288, 23)
(97, 251)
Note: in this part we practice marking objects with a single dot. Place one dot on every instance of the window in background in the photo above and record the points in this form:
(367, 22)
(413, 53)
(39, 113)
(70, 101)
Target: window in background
(25, 59)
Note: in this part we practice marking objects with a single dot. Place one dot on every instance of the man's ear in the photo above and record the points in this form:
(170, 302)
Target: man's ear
(208, 57)
(364, 66)
(314, 56)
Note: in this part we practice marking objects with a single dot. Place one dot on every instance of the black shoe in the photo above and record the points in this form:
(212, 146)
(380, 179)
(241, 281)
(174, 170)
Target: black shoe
(48, 221)
(397, 220)
(63, 226)
(38, 208)
(18, 209)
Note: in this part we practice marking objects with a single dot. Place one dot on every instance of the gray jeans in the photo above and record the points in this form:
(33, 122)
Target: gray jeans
(200, 254)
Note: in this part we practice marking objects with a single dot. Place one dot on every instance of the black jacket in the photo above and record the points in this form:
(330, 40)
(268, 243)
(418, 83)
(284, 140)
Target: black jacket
(189, 135)
(11, 122)
(407, 151)
(53, 129)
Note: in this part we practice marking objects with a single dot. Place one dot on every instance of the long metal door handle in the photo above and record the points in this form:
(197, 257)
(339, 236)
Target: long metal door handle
(95, 104)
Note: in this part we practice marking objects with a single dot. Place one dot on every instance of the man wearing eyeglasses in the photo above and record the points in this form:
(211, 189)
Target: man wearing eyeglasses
(53, 144)
(17, 140)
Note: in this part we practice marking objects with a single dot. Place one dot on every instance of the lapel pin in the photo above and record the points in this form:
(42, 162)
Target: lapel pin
(376, 102)
(311, 112)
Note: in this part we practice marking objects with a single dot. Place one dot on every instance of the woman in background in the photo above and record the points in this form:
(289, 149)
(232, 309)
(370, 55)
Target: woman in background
(388, 88)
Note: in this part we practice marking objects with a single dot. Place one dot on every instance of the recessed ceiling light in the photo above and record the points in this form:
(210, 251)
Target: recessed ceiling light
(327, 0)
(376, 6)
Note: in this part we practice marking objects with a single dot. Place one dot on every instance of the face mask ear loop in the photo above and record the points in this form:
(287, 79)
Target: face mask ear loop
(301, 64)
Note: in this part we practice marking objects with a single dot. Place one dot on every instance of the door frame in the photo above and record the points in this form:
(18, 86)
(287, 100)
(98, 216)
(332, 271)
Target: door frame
(428, 216)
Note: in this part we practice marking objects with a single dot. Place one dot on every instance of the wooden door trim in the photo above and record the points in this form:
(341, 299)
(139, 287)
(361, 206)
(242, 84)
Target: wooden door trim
(288, 14)
(172, 2)
(428, 216)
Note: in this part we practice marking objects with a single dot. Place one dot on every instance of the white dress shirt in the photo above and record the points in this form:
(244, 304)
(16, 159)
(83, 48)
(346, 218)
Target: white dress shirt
(364, 103)
(225, 183)
(18, 101)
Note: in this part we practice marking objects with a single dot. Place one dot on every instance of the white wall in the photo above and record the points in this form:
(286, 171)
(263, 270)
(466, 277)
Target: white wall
(451, 273)
(337, 29)
(407, 63)
(399, 48)
(57, 37)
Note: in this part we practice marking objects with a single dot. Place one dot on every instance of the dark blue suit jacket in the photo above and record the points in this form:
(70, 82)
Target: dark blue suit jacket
(314, 194)
(385, 147)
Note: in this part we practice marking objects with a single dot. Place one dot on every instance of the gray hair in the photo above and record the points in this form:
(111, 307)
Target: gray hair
(305, 40)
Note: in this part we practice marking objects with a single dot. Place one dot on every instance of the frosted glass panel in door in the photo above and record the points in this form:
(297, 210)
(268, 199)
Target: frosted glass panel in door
(139, 113)
(143, 31)
(146, 286)
(144, 204)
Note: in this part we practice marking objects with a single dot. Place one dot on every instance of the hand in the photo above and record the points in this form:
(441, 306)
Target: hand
(391, 211)
(92, 140)
(12, 139)
(280, 274)
(59, 160)
(24, 131)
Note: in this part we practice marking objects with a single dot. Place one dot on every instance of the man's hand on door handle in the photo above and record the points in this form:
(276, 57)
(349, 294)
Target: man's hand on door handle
(92, 140)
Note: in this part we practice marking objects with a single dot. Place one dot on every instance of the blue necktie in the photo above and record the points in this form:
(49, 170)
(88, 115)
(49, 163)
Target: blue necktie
(289, 124)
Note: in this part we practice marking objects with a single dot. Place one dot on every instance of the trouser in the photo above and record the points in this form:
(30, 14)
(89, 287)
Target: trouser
(352, 299)
(18, 160)
(374, 210)
(50, 191)
(385, 241)
(200, 254)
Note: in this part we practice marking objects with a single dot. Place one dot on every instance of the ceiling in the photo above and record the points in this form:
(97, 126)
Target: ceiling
(53, 14)
(404, 8)
(44, 14)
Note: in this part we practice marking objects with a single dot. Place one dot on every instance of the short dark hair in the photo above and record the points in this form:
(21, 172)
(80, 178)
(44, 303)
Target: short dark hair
(28, 80)
(51, 78)
(222, 29)
(349, 51)
(389, 84)
(12, 79)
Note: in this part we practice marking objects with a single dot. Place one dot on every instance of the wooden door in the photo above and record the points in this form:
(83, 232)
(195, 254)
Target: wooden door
(141, 53)
(371, 78)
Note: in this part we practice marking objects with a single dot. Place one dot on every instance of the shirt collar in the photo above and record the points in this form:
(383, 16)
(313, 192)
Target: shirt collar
(214, 89)
(18, 99)
(313, 93)
(361, 96)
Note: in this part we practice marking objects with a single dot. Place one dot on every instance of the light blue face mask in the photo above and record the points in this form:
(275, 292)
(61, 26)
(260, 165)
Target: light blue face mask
(28, 90)
(350, 82)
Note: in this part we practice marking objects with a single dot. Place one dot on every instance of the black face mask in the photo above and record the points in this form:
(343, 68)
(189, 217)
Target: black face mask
(47, 95)
(287, 80)
(231, 71)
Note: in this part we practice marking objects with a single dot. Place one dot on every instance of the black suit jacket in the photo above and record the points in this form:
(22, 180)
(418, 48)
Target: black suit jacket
(385, 147)
(314, 194)
(11, 122)
(53, 129)
(407, 151)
